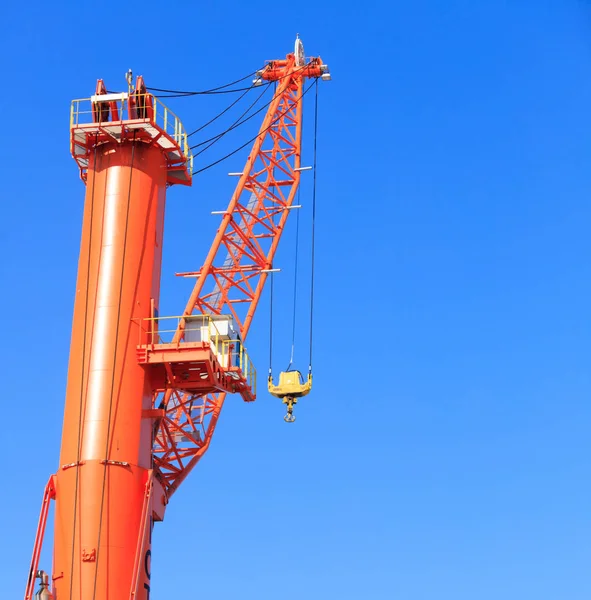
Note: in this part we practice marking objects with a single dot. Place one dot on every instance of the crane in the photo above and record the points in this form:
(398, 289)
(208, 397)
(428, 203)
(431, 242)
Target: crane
(145, 391)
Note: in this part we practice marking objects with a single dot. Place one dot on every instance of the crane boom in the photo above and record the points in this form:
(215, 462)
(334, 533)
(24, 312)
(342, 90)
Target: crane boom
(247, 240)
(143, 399)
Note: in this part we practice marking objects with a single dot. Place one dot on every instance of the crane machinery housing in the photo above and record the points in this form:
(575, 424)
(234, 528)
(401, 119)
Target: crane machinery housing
(145, 391)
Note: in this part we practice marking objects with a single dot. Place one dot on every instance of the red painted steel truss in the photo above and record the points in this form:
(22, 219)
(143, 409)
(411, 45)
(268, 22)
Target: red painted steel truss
(234, 273)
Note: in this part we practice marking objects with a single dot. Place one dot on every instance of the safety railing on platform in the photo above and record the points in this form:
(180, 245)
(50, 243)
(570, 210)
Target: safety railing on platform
(115, 108)
(237, 356)
(216, 331)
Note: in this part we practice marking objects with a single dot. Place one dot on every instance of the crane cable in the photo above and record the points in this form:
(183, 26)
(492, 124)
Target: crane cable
(271, 327)
(78, 449)
(238, 121)
(221, 113)
(236, 90)
(295, 270)
(204, 92)
(295, 278)
(296, 260)
(217, 162)
(313, 226)
(220, 89)
(216, 138)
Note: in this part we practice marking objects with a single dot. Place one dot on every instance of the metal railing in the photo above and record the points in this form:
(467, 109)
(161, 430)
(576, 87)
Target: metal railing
(230, 353)
(117, 108)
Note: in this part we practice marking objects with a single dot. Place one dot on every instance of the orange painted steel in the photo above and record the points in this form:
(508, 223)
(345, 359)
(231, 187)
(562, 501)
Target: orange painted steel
(237, 265)
(106, 453)
(121, 116)
(132, 431)
(48, 495)
(192, 367)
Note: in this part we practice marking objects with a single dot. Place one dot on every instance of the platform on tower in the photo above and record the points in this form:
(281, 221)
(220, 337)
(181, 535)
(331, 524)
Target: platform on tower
(124, 117)
(197, 354)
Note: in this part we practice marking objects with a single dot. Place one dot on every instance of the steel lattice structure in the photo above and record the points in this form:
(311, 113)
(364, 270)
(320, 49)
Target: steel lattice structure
(233, 276)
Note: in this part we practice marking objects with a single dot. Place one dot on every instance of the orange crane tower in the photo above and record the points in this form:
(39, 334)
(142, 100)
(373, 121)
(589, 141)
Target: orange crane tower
(144, 392)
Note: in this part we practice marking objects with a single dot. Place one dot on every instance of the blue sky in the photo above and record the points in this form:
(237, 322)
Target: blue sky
(444, 451)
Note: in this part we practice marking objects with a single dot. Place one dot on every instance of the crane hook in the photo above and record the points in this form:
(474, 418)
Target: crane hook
(290, 401)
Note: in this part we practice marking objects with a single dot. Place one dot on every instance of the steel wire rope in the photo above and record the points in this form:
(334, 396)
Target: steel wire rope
(271, 296)
(237, 123)
(98, 545)
(295, 281)
(273, 217)
(313, 224)
(295, 276)
(234, 126)
(217, 162)
(217, 90)
(78, 451)
(202, 92)
(242, 89)
(271, 327)
(221, 113)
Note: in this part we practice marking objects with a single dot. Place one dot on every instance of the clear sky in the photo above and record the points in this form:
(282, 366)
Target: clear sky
(444, 452)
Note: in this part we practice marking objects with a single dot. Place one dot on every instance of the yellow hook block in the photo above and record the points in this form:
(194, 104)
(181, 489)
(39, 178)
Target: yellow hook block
(291, 383)
(291, 387)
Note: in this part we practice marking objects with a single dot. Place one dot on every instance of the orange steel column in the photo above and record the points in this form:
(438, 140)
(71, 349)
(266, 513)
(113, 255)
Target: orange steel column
(106, 452)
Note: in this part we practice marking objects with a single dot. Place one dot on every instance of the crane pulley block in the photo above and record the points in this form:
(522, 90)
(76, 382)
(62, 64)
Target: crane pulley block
(291, 383)
(291, 387)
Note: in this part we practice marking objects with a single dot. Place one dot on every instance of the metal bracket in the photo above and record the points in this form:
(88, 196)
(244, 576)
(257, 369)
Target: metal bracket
(115, 463)
(74, 464)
